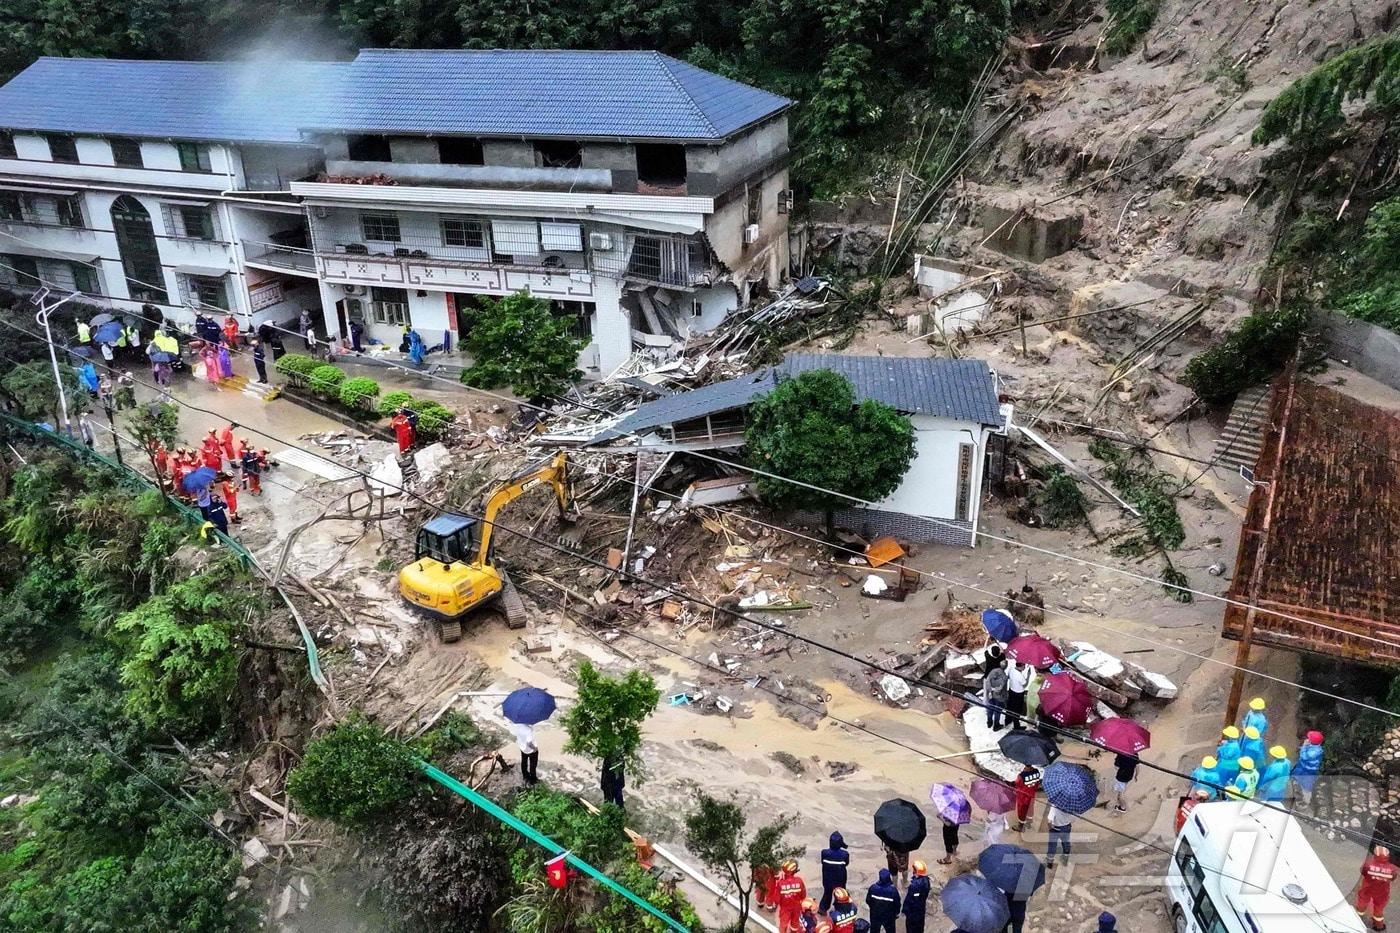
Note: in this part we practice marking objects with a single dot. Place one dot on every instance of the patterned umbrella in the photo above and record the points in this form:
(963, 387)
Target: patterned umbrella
(950, 804)
(1070, 787)
(1033, 649)
(1029, 748)
(993, 796)
(998, 624)
(1120, 735)
(975, 904)
(1065, 699)
(1013, 869)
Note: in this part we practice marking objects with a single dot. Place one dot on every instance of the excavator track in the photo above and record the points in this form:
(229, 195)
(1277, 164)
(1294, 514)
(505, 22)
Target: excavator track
(511, 605)
(450, 630)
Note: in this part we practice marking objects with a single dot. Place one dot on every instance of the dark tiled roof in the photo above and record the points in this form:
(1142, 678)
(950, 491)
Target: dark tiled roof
(697, 403)
(959, 389)
(542, 92)
(215, 101)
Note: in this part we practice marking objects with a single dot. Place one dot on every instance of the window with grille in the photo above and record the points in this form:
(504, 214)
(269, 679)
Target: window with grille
(126, 152)
(459, 231)
(383, 228)
(70, 211)
(62, 148)
(85, 278)
(964, 502)
(196, 222)
(389, 306)
(7, 145)
(193, 157)
(205, 291)
(19, 270)
(11, 205)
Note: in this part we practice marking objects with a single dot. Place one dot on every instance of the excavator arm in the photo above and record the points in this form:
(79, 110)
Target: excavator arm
(556, 473)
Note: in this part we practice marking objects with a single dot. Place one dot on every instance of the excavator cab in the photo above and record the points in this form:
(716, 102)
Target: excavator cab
(452, 571)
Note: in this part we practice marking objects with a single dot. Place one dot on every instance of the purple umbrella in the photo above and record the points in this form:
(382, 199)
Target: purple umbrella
(1065, 699)
(1033, 649)
(993, 796)
(1120, 735)
(950, 804)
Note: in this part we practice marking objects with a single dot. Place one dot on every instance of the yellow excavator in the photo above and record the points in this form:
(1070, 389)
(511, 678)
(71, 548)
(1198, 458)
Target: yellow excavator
(453, 571)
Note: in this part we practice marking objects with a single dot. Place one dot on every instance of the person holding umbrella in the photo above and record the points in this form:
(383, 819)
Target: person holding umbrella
(524, 709)
(1125, 769)
(900, 825)
(953, 810)
(1016, 873)
(1071, 790)
(975, 904)
(997, 799)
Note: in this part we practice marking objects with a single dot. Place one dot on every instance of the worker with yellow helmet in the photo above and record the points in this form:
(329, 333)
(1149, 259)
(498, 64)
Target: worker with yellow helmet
(1256, 717)
(1228, 755)
(1206, 777)
(1246, 782)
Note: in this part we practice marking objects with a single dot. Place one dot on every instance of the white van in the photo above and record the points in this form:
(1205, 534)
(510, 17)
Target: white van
(1242, 868)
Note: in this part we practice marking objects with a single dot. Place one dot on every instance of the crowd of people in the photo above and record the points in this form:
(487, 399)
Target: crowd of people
(234, 465)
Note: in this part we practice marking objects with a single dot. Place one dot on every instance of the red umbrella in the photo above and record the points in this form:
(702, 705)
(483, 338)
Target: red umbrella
(1033, 649)
(1120, 735)
(1065, 699)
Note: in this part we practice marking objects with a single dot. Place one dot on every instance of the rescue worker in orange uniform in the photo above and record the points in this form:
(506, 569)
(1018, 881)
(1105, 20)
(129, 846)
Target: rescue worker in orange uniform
(178, 468)
(226, 441)
(211, 452)
(231, 331)
(843, 912)
(230, 490)
(792, 891)
(1377, 876)
(404, 433)
(808, 917)
(161, 457)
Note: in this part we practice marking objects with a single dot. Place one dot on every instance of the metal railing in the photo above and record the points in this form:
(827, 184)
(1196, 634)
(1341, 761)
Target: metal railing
(274, 254)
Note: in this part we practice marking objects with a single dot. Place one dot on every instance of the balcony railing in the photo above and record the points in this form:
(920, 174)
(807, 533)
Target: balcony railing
(283, 257)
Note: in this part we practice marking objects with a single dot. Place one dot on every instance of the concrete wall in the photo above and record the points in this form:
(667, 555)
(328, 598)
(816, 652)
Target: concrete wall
(930, 488)
(713, 170)
(526, 178)
(1366, 348)
(766, 259)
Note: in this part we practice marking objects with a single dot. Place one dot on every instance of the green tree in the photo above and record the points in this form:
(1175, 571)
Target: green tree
(180, 662)
(716, 832)
(30, 387)
(605, 723)
(353, 774)
(155, 424)
(810, 429)
(516, 341)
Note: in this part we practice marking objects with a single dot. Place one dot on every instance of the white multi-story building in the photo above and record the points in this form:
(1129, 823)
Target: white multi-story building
(644, 197)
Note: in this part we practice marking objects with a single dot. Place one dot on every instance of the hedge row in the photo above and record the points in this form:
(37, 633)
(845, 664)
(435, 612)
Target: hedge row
(361, 395)
(433, 419)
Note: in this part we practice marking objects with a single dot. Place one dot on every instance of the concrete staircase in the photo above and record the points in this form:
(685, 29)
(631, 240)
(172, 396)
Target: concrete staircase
(248, 387)
(1240, 442)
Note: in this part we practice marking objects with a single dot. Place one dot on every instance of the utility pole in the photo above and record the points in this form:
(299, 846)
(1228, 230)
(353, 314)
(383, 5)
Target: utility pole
(38, 298)
(112, 423)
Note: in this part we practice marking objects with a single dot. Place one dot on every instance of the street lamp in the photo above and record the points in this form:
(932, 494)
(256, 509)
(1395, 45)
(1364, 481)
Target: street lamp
(38, 298)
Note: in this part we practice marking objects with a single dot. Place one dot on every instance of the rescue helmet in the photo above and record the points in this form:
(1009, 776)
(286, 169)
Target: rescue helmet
(1209, 762)
(1315, 737)
(1257, 704)
(1250, 732)
(790, 865)
(809, 905)
(1246, 763)
(1278, 751)
(1230, 732)
(841, 896)
(214, 431)
(823, 926)
(1381, 852)
(920, 869)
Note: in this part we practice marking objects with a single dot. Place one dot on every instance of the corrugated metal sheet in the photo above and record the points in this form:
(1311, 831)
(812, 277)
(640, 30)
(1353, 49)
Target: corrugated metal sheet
(697, 403)
(960, 389)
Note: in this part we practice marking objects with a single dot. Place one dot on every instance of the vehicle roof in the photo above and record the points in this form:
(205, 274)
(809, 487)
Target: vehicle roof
(1238, 838)
(448, 523)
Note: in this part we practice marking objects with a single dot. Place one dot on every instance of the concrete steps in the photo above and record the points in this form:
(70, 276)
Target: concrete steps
(1239, 443)
(261, 392)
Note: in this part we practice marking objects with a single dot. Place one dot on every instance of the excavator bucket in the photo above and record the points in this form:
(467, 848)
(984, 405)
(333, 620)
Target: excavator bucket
(572, 529)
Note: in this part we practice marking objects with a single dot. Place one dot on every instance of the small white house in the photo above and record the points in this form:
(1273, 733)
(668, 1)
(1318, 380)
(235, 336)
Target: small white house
(953, 405)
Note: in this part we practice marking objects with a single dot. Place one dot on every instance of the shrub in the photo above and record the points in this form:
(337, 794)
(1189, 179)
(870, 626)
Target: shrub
(1061, 503)
(325, 381)
(297, 367)
(358, 394)
(392, 402)
(353, 774)
(1131, 20)
(433, 419)
(1248, 355)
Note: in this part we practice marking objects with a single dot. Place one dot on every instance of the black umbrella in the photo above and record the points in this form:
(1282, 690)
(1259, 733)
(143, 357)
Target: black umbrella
(900, 825)
(1029, 748)
(1013, 869)
(83, 350)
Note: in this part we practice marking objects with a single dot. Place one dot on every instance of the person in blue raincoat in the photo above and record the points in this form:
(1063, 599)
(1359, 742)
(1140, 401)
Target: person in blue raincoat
(415, 348)
(217, 513)
(882, 900)
(1273, 780)
(1309, 765)
(835, 863)
(1206, 777)
(87, 375)
(1252, 745)
(1228, 755)
(916, 899)
(1256, 717)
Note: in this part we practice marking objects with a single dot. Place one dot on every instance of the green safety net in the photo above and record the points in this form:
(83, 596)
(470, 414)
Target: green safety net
(539, 839)
(441, 777)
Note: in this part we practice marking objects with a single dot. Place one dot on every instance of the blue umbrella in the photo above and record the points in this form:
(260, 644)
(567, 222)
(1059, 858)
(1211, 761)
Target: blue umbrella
(975, 904)
(1014, 870)
(1070, 787)
(160, 356)
(110, 332)
(998, 624)
(196, 480)
(528, 705)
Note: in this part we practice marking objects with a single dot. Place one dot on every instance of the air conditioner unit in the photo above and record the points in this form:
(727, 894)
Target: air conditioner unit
(750, 234)
(600, 241)
(353, 289)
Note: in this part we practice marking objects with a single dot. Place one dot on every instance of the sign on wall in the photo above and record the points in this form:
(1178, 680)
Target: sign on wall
(265, 295)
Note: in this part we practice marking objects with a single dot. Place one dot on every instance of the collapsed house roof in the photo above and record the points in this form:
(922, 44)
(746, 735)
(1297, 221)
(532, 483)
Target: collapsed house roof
(1320, 541)
(963, 390)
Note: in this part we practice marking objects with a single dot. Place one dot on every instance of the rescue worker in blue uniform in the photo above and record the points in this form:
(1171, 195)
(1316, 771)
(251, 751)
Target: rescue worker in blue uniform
(883, 902)
(835, 861)
(916, 898)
